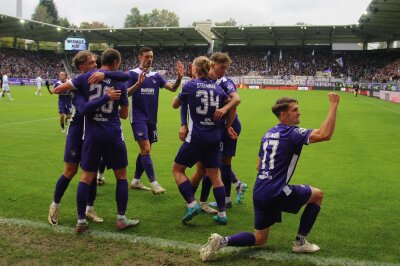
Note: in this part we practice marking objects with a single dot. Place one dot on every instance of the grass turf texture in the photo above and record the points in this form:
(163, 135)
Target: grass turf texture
(357, 170)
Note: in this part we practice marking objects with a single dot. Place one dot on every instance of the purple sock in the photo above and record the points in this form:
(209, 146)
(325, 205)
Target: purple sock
(219, 194)
(243, 239)
(139, 167)
(61, 186)
(205, 188)
(233, 177)
(186, 191)
(121, 195)
(102, 166)
(308, 218)
(92, 192)
(226, 171)
(82, 195)
(147, 164)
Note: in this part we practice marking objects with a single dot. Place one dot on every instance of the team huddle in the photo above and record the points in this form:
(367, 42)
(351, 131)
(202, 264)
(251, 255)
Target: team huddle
(209, 130)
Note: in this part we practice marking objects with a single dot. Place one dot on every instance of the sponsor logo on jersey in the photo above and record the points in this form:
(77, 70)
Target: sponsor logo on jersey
(147, 91)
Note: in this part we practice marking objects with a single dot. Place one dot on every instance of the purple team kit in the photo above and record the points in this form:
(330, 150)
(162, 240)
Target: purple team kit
(272, 194)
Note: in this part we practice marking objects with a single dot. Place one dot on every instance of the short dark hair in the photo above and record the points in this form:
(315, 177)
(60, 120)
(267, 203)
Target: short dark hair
(144, 50)
(282, 105)
(109, 56)
(80, 58)
(221, 58)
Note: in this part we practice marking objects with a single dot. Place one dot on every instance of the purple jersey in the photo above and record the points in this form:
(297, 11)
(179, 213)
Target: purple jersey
(202, 97)
(66, 96)
(145, 99)
(279, 152)
(104, 123)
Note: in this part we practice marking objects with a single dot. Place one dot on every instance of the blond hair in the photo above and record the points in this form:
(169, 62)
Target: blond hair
(203, 64)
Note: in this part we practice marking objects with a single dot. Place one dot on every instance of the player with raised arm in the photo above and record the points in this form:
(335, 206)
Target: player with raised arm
(144, 87)
(278, 156)
(103, 138)
(84, 61)
(202, 144)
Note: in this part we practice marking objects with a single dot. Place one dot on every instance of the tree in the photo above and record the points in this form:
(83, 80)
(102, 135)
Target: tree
(156, 18)
(163, 18)
(93, 25)
(63, 22)
(134, 19)
(230, 22)
(51, 9)
(41, 14)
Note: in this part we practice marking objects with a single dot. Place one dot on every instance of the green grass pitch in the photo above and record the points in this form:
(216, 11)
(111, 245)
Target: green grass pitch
(358, 170)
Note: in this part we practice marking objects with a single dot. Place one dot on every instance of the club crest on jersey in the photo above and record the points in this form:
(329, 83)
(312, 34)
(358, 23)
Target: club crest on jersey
(302, 131)
(140, 133)
(154, 81)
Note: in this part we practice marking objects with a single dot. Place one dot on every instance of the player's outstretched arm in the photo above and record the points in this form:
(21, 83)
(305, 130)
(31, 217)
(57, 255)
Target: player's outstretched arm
(98, 76)
(85, 107)
(66, 86)
(175, 86)
(327, 128)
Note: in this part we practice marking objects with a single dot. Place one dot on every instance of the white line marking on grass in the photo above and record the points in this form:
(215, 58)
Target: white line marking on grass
(261, 254)
(384, 108)
(27, 122)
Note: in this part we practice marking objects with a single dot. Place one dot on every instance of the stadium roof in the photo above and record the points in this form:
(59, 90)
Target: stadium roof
(39, 31)
(380, 22)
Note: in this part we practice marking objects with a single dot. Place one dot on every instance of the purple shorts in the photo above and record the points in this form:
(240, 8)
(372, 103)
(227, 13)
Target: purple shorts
(65, 106)
(73, 145)
(207, 153)
(114, 155)
(228, 144)
(145, 131)
(268, 211)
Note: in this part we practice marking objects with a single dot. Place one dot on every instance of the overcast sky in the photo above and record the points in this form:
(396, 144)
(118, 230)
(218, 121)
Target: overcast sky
(256, 12)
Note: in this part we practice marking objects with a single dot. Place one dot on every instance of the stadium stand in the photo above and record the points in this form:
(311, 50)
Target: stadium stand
(374, 65)
(30, 64)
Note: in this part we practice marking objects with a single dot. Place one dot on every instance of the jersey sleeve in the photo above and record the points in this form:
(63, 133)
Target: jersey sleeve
(133, 78)
(123, 100)
(183, 113)
(182, 96)
(230, 87)
(162, 80)
(300, 135)
(76, 82)
(222, 94)
(116, 75)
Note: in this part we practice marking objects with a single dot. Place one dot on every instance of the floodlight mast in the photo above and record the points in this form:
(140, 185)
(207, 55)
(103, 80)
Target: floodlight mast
(19, 8)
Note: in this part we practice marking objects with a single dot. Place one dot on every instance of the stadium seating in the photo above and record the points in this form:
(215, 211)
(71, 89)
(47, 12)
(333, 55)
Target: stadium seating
(375, 65)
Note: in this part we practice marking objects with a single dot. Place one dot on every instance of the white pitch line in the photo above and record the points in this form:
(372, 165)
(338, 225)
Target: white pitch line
(27, 122)
(381, 107)
(166, 243)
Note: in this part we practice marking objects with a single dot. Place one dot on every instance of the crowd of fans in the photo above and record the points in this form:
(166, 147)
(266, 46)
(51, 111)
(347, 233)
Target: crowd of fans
(30, 64)
(376, 65)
